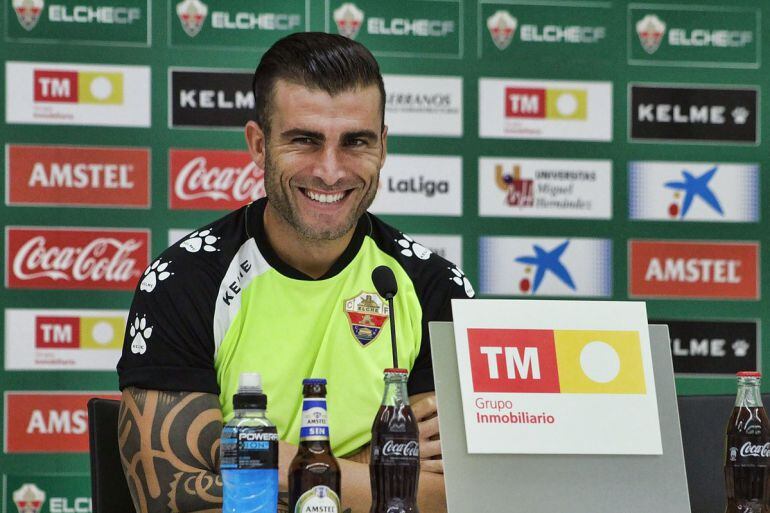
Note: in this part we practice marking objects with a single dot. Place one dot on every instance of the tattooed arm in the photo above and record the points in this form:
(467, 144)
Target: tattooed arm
(169, 448)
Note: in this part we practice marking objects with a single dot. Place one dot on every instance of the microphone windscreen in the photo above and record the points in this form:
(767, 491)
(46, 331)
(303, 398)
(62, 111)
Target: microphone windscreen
(385, 281)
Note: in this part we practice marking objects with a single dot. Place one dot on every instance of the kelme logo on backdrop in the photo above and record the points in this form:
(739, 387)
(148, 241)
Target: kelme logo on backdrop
(403, 28)
(574, 189)
(77, 94)
(210, 98)
(47, 493)
(542, 28)
(682, 114)
(545, 109)
(693, 191)
(235, 23)
(521, 266)
(81, 21)
(693, 269)
(694, 35)
(77, 176)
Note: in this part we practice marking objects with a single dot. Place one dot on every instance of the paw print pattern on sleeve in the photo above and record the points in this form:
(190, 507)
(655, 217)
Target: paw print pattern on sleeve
(459, 278)
(200, 240)
(412, 248)
(153, 274)
(140, 333)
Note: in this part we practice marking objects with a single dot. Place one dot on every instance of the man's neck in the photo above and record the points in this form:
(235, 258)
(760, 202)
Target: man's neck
(311, 257)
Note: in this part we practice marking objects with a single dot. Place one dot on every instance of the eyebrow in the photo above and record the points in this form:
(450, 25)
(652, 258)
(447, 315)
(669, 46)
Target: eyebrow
(300, 132)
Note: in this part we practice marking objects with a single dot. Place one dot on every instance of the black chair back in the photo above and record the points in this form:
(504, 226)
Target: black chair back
(109, 489)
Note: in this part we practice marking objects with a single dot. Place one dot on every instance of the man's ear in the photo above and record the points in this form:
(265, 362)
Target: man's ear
(256, 140)
(384, 145)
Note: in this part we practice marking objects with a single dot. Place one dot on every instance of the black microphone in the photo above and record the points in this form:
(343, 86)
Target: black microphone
(385, 282)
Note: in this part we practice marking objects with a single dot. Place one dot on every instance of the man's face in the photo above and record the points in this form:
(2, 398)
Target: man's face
(322, 157)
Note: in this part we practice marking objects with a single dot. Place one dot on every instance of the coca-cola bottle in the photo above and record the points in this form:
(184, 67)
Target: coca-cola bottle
(394, 467)
(747, 450)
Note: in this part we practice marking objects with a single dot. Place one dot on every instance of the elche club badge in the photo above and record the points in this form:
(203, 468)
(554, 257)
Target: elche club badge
(502, 27)
(367, 313)
(28, 12)
(650, 30)
(29, 498)
(348, 19)
(192, 14)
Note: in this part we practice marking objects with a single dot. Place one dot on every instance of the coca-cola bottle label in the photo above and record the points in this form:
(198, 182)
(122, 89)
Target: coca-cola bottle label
(399, 451)
(319, 499)
(747, 450)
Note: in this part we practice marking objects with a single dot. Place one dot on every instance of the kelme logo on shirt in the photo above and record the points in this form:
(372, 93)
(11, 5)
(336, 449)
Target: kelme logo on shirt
(367, 313)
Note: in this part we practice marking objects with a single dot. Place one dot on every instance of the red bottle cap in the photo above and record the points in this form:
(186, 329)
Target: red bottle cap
(749, 374)
(397, 371)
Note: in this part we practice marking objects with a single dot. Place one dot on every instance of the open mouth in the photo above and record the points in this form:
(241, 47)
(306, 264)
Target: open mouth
(325, 197)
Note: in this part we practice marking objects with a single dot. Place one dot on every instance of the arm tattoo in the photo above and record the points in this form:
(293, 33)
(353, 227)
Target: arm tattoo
(169, 448)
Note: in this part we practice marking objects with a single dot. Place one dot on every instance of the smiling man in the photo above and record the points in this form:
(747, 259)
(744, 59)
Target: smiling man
(283, 287)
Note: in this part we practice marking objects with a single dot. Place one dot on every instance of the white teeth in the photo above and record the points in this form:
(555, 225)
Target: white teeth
(325, 198)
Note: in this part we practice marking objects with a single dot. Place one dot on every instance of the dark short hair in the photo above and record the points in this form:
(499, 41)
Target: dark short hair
(315, 60)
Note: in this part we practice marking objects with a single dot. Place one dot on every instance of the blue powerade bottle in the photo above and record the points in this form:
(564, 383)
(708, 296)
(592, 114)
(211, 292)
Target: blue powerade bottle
(249, 452)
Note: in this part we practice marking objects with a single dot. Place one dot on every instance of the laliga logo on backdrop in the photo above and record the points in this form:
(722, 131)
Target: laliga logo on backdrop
(192, 14)
(502, 27)
(650, 30)
(28, 12)
(348, 19)
(521, 193)
(29, 498)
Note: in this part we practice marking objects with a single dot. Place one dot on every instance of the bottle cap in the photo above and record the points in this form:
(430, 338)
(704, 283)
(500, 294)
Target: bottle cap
(396, 371)
(314, 381)
(749, 374)
(250, 383)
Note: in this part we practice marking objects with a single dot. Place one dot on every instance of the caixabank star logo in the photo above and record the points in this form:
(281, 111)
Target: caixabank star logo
(556, 361)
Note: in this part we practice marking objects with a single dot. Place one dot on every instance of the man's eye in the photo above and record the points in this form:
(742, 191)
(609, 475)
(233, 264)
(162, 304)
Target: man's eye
(303, 140)
(357, 142)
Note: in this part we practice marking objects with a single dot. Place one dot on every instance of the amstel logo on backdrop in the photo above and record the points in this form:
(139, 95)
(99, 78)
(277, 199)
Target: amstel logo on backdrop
(213, 179)
(694, 35)
(40, 422)
(521, 266)
(529, 109)
(83, 176)
(693, 269)
(556, 361)
(77, 94)
(37, 339)
(570, 189)
(75, 258)
(693, 191)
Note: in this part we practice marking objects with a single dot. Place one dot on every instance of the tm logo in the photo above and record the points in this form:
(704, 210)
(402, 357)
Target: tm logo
(693, 187)
(544, 261)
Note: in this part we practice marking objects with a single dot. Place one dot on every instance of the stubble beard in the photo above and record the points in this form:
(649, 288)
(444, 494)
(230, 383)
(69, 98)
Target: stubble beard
(283, 205)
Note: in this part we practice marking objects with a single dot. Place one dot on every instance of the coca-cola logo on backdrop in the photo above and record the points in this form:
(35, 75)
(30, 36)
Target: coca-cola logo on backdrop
(213, 180)
(75, 258)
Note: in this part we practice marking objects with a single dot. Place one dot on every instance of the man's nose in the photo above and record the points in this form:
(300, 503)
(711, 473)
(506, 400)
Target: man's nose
(329, 167)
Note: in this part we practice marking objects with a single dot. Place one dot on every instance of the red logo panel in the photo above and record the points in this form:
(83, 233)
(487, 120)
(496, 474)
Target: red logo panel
(57, 332)
(79, 176)
(75, 258)
(511, 360)
(56, 86)
(213, 180)
(48, 423)
(687, 269)
(524, 103)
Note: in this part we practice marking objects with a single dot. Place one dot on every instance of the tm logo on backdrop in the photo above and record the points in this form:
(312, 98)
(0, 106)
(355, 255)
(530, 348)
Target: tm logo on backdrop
(693, 191)
(88, 22)
(542, 28)
(402, 28)
(520, 266)
(694, 35)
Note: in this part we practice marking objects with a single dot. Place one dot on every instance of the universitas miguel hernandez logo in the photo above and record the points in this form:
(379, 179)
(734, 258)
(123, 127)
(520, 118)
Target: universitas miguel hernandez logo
(28, 12)
(348, 19)
(192, 14)
(650, 30)
(502, 27)
(367, 313)
(519, 192)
